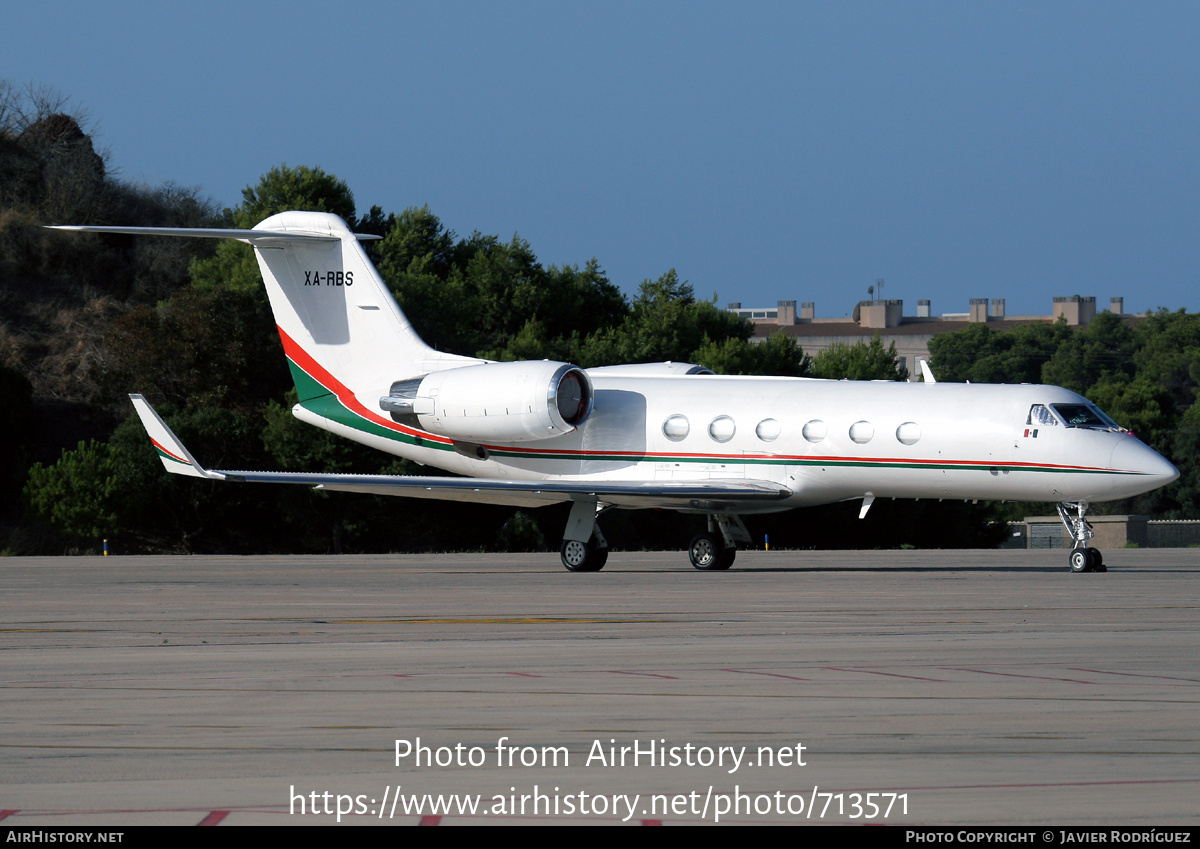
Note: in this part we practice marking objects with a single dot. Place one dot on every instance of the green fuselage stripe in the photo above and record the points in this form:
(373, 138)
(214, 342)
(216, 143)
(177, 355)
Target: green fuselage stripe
(307, 387)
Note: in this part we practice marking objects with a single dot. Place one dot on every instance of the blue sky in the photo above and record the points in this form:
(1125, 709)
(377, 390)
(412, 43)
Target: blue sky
(766, 150)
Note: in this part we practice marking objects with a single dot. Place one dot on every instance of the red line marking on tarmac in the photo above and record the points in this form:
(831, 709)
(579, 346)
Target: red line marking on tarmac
(525, 674)
(213, 818)
(1030, 784)
(6, 814)
(429, 819)
(644, 674)
(651, 822)
(1016, 675)
(1136, 674)
(876, 672)
(769, 674)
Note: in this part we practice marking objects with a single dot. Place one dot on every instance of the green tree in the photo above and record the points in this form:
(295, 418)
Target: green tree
(778, 354)
(666, 322)
(279, 190)
(860, 361)
(304, 188)
(161, 511)
(79, 495)
(416, 243)
(484, 297)
(1103, 347)
(1185, 452)
(980, 354)
(203, 347)
(320, 520)
(1167, 352)
(1138, 404)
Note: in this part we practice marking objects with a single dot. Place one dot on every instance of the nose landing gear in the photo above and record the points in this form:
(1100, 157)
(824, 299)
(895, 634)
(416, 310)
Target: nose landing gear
(1083, 558)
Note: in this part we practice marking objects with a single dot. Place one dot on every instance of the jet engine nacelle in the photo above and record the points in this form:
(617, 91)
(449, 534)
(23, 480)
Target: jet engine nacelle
(496, 402)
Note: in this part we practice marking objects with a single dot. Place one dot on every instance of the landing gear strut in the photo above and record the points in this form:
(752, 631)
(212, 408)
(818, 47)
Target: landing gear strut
(584, 548)
(1083, 558)
(715, 549)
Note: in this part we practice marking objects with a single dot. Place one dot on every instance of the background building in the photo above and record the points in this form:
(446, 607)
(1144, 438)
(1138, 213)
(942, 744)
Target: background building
(911, 333)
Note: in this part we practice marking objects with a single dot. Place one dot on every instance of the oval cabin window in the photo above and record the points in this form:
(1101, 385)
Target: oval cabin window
(767, 430)
(908, 433)
(722, 429)
(862, 432)
(676, 428)
(815, 430)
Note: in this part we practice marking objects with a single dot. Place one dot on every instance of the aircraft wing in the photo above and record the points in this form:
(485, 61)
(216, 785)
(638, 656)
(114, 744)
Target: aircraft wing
(710, 495)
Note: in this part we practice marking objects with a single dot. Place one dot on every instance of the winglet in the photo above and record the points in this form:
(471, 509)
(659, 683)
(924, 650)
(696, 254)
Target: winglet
(175, 458)
(926, 371)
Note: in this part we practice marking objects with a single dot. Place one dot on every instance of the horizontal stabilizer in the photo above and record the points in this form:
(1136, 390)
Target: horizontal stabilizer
(213, 233)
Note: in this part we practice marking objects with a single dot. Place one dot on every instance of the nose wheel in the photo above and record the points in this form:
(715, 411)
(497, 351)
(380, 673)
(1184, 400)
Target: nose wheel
(1083, 558)
(1087, 560)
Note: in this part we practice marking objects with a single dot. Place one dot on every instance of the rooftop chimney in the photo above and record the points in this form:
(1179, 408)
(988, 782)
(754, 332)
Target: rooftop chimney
(881, 312)
(1075, 308)
(786, 312)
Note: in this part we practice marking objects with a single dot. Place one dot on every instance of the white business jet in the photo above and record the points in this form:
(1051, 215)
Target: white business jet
(666, 435)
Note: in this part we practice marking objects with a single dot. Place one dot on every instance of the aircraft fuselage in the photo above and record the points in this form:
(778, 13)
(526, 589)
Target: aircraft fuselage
(824, 440)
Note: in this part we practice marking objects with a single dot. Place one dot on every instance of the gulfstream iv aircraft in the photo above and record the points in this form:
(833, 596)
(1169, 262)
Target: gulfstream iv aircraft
(666, 435)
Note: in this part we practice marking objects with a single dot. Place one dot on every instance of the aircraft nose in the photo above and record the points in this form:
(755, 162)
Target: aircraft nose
(1133, 455)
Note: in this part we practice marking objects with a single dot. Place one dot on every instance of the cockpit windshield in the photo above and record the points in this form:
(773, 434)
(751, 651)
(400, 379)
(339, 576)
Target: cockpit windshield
(1084, 415)
(1070, 415)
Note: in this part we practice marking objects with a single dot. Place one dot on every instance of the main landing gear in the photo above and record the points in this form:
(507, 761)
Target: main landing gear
(1083, 558)
(714, 550)
(587, 556)
(584, 548)
(709, 554)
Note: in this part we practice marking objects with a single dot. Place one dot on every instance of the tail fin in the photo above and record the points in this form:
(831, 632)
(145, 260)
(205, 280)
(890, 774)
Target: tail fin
(338, 321)
(335, 313)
